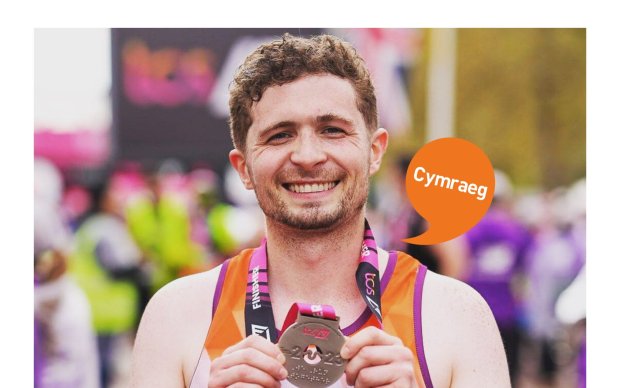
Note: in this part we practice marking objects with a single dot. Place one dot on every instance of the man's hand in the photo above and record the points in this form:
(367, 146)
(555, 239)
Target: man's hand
(377, 359)
(253, 362)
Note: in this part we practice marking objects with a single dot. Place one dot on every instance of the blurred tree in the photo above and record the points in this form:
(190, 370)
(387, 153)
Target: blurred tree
(521, 96)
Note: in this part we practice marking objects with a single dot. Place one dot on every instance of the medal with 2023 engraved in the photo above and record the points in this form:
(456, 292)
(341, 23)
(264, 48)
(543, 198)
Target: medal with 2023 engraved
(312, 349)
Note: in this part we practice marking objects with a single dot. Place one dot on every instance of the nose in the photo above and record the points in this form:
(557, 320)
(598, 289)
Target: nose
(308, 151)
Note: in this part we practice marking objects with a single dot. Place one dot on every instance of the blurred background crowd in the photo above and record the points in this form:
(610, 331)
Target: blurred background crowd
(132, 189)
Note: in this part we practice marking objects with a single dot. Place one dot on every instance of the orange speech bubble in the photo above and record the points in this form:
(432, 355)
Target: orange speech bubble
(450, 182)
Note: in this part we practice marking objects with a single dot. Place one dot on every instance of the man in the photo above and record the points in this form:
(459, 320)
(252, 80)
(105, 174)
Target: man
(304, 126)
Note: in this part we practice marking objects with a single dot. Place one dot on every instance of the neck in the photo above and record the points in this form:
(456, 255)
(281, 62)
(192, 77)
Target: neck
(315, 266)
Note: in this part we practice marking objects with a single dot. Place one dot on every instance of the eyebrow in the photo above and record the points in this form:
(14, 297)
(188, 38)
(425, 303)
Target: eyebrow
(333, 117)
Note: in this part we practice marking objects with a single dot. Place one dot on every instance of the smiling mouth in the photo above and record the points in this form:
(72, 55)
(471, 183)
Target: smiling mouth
(310, 187)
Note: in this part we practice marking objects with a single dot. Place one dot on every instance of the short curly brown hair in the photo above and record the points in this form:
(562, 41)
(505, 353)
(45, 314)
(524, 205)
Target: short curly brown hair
(286, 59)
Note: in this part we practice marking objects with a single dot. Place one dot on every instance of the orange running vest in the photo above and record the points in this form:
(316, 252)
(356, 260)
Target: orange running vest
(401, 302)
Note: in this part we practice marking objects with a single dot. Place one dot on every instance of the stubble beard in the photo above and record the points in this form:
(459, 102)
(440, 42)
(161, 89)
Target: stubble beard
(313, 216)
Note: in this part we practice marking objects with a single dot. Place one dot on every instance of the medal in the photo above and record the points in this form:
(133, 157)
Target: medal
(311, 339)
(311, 346)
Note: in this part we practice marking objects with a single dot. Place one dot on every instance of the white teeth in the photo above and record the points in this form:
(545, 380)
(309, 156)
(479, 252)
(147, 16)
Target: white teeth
(311, 188)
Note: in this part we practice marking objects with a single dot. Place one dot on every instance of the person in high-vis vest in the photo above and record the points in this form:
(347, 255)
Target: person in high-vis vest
(305, 130)
(167, 228)
(106, 264)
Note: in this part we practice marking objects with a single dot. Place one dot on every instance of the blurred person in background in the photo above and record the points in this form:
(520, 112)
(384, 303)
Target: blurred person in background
(498, 244)
(401, 221)
(203, 184)
(165, 221)
(238, 225)
(181, 245)
(553, 260)
(107, 264)
(65, 348)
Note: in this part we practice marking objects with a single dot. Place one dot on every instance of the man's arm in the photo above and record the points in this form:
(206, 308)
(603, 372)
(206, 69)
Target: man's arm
(462, 343)
(172, 332)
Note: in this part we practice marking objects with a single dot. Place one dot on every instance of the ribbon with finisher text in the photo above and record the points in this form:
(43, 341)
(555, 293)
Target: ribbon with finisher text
(259, 312)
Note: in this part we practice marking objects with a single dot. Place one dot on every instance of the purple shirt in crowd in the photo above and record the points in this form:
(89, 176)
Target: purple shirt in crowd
(498, 243)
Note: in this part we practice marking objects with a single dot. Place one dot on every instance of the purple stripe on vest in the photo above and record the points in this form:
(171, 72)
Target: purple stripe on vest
(387, 275)
(219, 286)
(389, 270)
(359, 322)
(417, 325)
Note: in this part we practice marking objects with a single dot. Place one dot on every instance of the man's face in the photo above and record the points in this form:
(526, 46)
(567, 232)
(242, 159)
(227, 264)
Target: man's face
(309, 154)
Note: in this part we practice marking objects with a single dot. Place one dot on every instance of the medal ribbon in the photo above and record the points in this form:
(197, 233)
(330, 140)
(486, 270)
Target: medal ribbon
(259, 312)
(323, 311)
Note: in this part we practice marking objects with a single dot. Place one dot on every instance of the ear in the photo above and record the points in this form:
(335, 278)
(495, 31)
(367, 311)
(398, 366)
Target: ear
(237, 160)
(378, 146)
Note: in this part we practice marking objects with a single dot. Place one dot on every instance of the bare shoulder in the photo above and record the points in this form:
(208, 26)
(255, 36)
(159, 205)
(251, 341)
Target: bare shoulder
(172, 331)
(462, 344)
(447, 295)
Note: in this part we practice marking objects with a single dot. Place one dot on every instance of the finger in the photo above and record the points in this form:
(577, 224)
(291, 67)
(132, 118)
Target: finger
(368, 336)
(376, 355)
(244, 374)
(252, 358)
(398, 374)
(259, 343)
